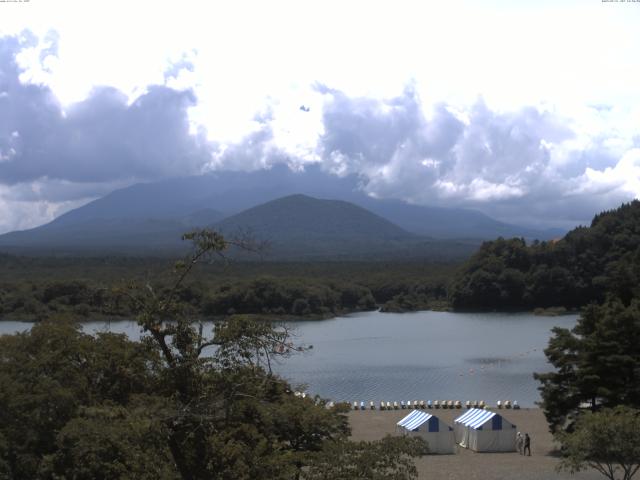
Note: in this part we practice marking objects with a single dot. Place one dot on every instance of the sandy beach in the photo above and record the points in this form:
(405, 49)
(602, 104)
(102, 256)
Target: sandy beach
(465, 464)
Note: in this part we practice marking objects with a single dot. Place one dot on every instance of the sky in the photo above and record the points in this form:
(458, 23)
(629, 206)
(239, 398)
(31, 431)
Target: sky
(527, 111)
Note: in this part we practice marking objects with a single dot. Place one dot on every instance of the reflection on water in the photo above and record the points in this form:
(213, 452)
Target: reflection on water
(422, 355)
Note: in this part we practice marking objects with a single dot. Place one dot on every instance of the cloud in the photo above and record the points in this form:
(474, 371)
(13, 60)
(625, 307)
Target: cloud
(103, 138)
(256, 150)
(23, 206)
(531, 165)
(54, 158)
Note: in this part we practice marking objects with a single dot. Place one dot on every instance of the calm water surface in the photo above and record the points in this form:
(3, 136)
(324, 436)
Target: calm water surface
(423, 355)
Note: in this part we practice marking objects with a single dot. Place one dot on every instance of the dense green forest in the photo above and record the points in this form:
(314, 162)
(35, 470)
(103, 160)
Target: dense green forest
(36, 288)
(587, 265)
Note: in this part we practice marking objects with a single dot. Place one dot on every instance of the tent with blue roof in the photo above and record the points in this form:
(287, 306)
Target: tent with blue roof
(438, 434)
(485, 431)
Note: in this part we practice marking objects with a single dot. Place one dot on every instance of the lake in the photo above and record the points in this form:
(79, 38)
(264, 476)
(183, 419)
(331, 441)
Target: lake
(410, 356)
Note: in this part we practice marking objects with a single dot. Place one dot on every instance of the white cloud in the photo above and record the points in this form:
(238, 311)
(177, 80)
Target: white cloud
(528, 165)
(17, 213)
(624, 177)
(529, 110)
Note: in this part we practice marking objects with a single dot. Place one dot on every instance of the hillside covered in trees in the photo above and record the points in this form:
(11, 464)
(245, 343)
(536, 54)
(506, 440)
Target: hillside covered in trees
(587, 265)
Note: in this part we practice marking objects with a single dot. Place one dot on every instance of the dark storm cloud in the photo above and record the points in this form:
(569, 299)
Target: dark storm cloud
(100, 139)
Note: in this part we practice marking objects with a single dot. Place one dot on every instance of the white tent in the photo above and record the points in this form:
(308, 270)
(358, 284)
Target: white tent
(485, 431)
(438, 434)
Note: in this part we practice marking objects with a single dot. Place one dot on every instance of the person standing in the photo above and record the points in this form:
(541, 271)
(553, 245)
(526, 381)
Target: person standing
(519, 442)
(527, 444)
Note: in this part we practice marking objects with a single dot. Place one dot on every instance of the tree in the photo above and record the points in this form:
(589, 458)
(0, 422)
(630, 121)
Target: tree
(49, 374)
(597, 363)
(390, 458)
(222, 425)
(107, 442)
(607, 441)
(588, 265)
(181, 403)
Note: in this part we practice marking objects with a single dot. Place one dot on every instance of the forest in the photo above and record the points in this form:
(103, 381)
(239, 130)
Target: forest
(588, 265)
(33, 288)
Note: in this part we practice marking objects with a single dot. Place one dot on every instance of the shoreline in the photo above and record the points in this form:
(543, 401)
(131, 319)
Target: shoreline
(316, 317)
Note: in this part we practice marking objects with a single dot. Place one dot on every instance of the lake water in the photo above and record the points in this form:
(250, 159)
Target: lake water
(422, 355)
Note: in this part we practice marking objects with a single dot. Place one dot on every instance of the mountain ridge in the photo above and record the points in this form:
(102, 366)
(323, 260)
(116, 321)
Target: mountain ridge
(152, 216)
(231, 192)
(296, 227)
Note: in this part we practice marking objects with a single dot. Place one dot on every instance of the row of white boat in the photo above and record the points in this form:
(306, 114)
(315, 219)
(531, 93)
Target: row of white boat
(421, 404)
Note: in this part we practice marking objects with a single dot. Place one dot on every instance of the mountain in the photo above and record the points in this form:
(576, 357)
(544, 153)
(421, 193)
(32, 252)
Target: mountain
(231, 192)
(295, 227)
(301, 216)
(438, 222)
(108, 235)
(299, 226)
(150, 217)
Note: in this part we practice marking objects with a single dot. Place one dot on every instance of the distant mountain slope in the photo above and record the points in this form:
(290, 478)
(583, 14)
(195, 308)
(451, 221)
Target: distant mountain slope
(155, 212)
(166, 199)
(299, 227)
(444, 223)
(303, 216)
(108, 235)
(296, 227)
